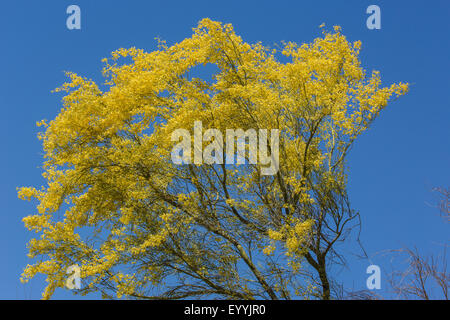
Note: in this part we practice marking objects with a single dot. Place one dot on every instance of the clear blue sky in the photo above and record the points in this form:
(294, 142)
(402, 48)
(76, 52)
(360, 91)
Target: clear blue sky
(393, 166)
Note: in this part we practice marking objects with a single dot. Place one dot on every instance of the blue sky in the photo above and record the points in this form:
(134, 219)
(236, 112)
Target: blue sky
(393, 166)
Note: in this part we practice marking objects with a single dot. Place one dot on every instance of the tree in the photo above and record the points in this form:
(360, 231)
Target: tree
(426, 276)
(140, 226)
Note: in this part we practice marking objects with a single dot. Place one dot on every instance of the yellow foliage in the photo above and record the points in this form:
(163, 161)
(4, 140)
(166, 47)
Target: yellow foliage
(114, 198)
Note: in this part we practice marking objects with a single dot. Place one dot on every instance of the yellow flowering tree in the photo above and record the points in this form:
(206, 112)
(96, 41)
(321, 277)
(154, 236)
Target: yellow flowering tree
(140, 226)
